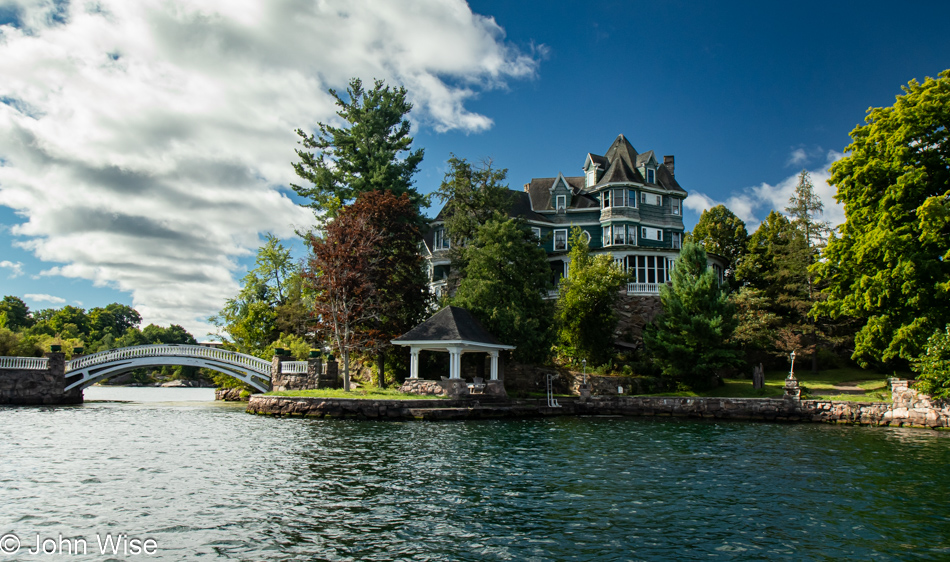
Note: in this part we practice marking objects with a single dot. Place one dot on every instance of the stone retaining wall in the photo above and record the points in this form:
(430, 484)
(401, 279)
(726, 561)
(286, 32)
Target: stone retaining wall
(38, 386)
(766, 409)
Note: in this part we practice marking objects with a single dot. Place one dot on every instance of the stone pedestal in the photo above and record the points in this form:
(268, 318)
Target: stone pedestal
(792, 390)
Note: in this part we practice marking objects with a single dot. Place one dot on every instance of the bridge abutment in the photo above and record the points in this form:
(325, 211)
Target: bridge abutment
(27, 382)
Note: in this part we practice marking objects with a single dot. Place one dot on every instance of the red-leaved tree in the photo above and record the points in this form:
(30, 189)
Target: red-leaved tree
(367, 274)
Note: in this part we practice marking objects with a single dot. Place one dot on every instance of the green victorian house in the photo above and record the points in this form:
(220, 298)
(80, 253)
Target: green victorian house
(628, 204)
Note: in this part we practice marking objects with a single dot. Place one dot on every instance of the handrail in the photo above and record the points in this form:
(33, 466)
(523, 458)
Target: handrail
(172, 350)
(643, 288)
(293, 367)
(25, 363)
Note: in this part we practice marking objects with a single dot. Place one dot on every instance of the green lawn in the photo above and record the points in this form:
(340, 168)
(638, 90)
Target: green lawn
(852, 384)
(360, 393)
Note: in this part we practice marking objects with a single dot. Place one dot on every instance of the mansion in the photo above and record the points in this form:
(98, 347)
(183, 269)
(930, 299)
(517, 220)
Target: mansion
(628, 204)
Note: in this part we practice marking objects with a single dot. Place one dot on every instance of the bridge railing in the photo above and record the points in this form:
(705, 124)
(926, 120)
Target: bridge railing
(225, 356)
(293, 367)
(24, 363)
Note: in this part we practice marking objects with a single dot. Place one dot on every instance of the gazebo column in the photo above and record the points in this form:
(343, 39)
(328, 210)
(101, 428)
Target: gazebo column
(414, 362)
(455, 362)
(494, 365)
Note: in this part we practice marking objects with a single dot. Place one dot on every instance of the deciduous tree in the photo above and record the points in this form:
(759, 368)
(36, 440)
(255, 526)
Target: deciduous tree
(584, 313)
(721, 232)
(347, 305)
(891, 263)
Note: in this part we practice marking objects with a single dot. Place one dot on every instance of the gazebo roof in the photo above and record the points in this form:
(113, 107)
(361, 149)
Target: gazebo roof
(451, 325)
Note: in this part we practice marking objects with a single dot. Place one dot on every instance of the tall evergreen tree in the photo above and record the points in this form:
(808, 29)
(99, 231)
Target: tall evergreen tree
(372, 153)
(472, 195)
(690, 339)
(891, 263)
(584, 313)
(502, 284)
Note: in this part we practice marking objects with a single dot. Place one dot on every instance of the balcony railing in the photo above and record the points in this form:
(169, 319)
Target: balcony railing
(643, 288)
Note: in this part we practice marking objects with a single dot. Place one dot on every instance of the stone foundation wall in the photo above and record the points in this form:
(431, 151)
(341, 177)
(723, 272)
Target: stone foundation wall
(38, 387)
(634, 313)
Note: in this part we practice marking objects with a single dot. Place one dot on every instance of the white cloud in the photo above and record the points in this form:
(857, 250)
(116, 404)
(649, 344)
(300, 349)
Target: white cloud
(145, 143)
(45, 298)
(798, 157)
(16, 269)
(753, 204)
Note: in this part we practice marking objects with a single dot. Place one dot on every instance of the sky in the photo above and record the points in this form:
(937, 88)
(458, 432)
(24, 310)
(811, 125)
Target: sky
(146, 145)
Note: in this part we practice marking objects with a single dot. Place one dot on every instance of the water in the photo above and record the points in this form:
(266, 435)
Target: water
(208, 481)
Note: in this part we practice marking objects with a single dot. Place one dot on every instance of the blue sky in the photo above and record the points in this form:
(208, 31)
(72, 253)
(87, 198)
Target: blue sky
(146, 146)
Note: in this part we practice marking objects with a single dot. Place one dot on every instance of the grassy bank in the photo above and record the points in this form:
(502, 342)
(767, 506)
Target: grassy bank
(852, 384)
(360, 393)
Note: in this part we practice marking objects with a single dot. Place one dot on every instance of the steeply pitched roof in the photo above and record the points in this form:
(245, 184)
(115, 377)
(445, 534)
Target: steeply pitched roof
(666, 179)
(450, 324)
(621, 148)
(620, 172)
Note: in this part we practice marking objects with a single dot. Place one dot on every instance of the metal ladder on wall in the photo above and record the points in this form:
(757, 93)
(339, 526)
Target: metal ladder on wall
(549, 378)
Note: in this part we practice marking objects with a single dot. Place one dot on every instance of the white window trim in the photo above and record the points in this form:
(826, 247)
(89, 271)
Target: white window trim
(676, 206)
(586, 235)
(560, 230)
(537, 233)
(560, 202)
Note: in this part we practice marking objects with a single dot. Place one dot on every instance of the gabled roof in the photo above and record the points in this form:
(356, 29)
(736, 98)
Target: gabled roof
(595, 159)
(449, 324)
(643, 159)
(539, 190)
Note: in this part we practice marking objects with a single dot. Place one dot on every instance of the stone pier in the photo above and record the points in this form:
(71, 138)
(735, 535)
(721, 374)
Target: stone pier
(26, 381)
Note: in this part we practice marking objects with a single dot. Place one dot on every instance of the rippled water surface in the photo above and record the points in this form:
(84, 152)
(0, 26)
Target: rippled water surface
(208, 481)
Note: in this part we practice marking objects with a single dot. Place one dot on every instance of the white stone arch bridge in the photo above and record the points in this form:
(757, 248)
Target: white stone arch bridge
(93, 368)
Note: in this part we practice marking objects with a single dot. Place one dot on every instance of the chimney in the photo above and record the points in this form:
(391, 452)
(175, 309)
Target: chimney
(668, 162)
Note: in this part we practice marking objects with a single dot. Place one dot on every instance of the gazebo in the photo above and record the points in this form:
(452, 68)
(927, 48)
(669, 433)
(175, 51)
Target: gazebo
(455, 331)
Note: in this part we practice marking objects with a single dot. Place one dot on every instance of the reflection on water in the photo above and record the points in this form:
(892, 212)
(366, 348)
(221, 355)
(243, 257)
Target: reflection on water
(147, 394)
(218, 483)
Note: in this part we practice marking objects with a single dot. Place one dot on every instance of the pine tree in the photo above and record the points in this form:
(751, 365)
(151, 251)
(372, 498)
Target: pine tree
(373, 153)
(690, 339)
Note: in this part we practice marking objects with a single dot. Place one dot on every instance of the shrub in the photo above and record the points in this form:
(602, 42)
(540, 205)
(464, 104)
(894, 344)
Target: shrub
(934, 366)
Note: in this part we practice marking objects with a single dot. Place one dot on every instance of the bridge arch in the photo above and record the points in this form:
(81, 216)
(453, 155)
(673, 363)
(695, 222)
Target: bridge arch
(93, 368)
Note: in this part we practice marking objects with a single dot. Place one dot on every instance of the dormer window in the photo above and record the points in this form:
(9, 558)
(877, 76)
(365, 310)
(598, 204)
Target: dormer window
(561, 202)
(441, 240)
(591, 176)
(651, 175)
